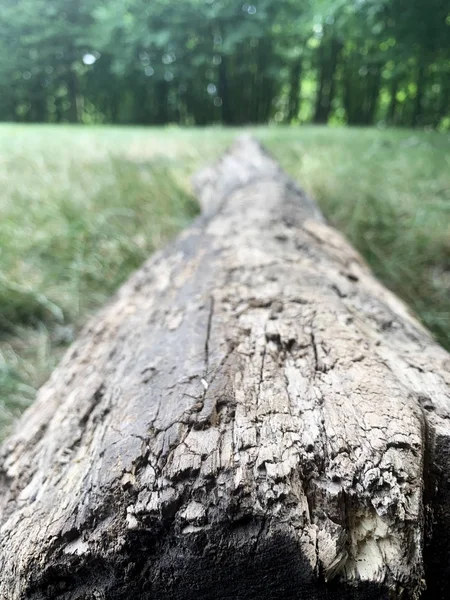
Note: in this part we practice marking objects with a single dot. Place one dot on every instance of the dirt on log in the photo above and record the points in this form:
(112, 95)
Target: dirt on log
(252, 417)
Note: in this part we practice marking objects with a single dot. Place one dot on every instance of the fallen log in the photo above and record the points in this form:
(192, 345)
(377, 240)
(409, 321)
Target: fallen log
(253, 417)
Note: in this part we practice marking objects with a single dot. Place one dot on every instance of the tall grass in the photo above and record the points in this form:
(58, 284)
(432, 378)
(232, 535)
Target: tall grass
(81, 208)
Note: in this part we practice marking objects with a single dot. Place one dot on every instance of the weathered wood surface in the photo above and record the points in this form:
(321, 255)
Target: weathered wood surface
(252, 417)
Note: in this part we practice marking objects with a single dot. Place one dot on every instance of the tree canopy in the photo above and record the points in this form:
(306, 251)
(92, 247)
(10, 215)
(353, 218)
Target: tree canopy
(226, 61)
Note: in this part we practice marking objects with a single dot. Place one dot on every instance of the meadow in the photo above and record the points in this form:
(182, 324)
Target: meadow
(82, 207)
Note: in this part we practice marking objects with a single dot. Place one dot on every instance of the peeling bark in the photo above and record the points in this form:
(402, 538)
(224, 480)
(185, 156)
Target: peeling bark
(253, 416)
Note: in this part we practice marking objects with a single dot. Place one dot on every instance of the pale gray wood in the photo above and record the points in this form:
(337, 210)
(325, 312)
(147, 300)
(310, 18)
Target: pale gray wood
(252, 416)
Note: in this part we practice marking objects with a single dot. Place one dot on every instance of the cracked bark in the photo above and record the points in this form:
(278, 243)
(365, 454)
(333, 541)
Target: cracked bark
(253, 416)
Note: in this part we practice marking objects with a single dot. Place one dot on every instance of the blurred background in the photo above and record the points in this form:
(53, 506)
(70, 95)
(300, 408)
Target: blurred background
(197, 62)
(107, 108)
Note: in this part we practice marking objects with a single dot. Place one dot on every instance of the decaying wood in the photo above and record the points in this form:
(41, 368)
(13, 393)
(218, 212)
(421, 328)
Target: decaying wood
(252, 417)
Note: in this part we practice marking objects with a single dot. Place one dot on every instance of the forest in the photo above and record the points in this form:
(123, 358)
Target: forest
(206, 391)
(200, 62)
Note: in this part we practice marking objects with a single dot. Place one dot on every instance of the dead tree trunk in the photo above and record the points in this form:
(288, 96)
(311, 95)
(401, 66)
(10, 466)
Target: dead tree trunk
(252, 417)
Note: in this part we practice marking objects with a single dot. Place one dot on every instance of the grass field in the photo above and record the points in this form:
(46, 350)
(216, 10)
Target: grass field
(82, 207)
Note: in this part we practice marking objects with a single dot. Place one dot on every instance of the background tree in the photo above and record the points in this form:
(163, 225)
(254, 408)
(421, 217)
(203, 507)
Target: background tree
(225, 61)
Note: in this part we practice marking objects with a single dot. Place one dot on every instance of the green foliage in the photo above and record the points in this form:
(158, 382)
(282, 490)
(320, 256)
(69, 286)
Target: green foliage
(211, 61)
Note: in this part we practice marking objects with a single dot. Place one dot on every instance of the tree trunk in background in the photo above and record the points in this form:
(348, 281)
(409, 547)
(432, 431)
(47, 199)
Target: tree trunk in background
(294, 90)
(266, 100)
(72, 89)
(8, 104)
(336, 47)
(264, 88)
(38, 102)
(347, 93)
(416, 118)
(321, 89)
(113, 103)
(144, 106)
(361, 91)
(444, 103)
(248, 91)
(373, 93)
(392, 109)
(161, 102)
(252, 416)
(224, 92)
(328, 61)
